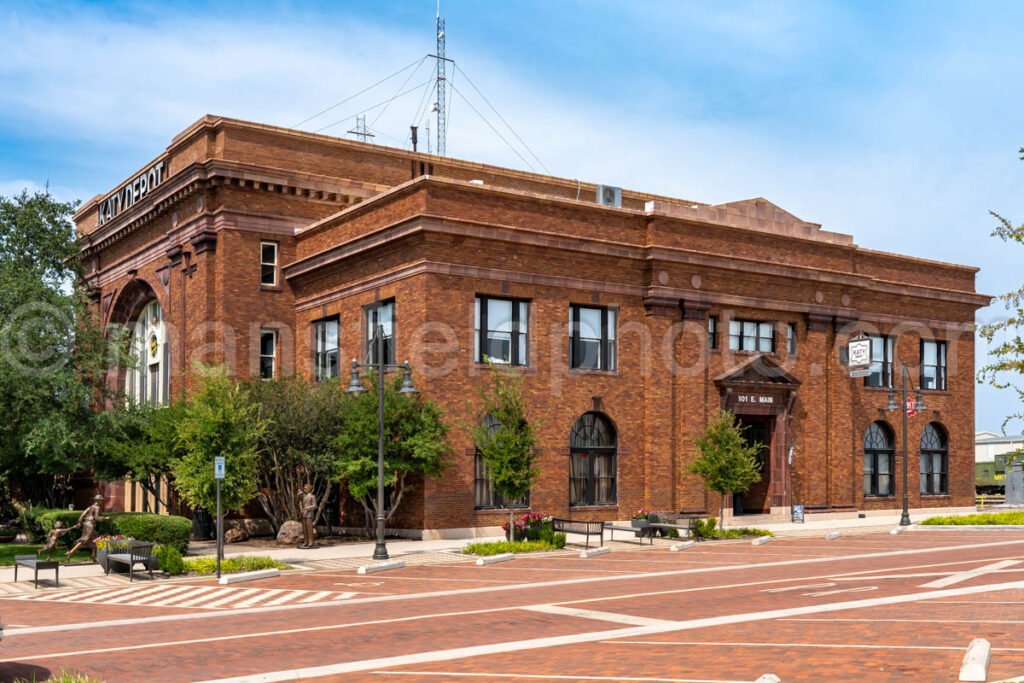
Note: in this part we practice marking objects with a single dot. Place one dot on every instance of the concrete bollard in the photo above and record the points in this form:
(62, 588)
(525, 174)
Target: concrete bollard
(380, 567)
(248, 576)
(596, 551)
(761, 540)
(897, 531)
(676, 547)
(975, 665)
(768, 678)
(495, 559)
(832, 535)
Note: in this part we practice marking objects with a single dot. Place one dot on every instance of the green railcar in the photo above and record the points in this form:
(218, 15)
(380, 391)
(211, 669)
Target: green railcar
(990, 477)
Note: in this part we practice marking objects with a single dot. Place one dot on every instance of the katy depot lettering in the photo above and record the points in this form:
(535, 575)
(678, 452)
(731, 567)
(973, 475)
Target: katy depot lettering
(125, 197)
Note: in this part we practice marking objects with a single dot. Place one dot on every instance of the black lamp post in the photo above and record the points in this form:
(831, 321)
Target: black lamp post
(919, 405)
(355, 386)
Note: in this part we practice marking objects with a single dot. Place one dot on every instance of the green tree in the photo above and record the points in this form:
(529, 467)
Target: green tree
(301, 422)
(1008, 353)
(415, 442)
(53, 355)
(139, 442)
(219, 419)
(727, 463)
(505, 438)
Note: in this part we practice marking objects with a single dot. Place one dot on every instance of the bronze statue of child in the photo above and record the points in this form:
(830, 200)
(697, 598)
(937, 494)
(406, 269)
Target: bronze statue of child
(52, 538)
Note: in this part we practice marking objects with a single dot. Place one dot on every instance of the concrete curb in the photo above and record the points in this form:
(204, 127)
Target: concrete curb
(676, 547)
(596, 551)
(761, 540)
(380, 567)
(832, 535)
(248, 576)
(897, 531)
(495, 559)
(768, 678)
(967, 527)
(976, 659)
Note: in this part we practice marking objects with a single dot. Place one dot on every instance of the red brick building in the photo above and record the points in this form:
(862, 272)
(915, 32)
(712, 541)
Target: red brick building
(634, 316)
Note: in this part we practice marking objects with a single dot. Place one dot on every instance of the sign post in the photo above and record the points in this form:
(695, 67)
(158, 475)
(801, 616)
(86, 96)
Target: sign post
(218, 475)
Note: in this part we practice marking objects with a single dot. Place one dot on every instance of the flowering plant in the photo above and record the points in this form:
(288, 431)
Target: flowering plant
(640, 514)
(104, 542)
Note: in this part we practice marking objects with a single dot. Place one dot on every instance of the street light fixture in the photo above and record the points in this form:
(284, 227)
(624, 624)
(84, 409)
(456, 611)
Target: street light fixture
(355, 387)
(892, 405)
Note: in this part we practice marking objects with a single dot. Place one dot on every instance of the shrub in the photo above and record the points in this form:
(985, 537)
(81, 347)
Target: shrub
(170, 560)
(160, 529)
(231, 565)
(499, 547)
(706, 529)
(985, 518)
(65, 676)
(142, 526)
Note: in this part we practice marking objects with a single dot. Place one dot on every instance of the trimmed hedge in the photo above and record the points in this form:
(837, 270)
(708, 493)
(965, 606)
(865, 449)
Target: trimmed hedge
(232, 565)
(142, 526)
(499, 547)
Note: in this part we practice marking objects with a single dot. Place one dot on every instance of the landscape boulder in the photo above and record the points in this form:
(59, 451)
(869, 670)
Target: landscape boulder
(290, 533)
(236, 535)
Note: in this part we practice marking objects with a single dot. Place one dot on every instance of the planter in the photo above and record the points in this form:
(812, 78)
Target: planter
(639, 523)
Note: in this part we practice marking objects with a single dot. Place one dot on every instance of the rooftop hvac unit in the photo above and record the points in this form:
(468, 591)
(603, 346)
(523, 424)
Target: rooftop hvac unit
(609, 196)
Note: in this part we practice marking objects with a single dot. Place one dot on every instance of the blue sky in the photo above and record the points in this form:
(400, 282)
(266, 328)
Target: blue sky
(897, 122)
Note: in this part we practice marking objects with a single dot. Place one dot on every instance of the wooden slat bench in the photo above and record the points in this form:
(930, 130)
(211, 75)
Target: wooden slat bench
(35, 564)
(131, 554)
(573, 526)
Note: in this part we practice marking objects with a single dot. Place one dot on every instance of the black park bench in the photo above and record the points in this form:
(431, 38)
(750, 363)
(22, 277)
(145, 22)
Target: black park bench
(131, 554)
(574, 526)
(35, 564)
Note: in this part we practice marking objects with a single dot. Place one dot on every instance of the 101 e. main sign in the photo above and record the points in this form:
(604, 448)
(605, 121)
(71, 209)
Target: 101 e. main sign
(125, 197)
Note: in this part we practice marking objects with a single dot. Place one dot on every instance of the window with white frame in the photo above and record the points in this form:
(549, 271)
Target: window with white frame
(148, 380)
(933, 364)
(751, 336)
(882, 348)
(592, 338)
(268, 264)
(327, 356)
(501, 331)
(268, 354)
(380, 314)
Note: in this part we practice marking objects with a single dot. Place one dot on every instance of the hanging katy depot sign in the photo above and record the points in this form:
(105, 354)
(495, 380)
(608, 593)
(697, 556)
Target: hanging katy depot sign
(125, 197)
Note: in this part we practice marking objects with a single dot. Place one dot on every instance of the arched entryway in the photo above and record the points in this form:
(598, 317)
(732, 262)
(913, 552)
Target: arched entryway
(139, 313)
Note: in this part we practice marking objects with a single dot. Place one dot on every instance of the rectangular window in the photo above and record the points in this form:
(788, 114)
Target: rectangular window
(381, 314)
(485, 496)
(327, 355)
(881, 361)
(268, 354)
(878, 471)
(933, 474)
(713, 332)
(501, 327)
(268, 263)
(933, 365)
(751, 336)
(791, 339)
(592, 338)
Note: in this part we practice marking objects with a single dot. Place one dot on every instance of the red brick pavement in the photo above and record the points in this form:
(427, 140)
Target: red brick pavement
(482, 607)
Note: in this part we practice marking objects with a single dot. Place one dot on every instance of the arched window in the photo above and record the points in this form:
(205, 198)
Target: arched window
(934, 460)
(879, 460)
(592, 461)
(148, 381)
(484, 495)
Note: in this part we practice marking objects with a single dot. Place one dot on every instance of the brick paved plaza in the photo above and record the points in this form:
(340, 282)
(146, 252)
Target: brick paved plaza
(874, 607)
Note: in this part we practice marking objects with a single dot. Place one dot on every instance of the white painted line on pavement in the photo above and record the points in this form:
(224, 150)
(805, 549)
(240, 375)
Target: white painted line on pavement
(260, 597)
(598, 616)
(113, 623)
(798, 588)
(859, 589)
(551, 677)
(230, 595)
(578, 638)
(970, 574)
(824, 646)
